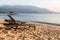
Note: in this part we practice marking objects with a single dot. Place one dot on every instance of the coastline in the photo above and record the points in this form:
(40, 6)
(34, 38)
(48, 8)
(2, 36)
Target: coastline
(42, 32)
(47, 23)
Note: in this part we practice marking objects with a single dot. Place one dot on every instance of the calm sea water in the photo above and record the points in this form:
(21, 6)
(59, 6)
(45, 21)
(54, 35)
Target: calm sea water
(51, 18)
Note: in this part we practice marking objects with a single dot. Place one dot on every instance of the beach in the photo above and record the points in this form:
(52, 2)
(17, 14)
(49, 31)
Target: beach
(42, 32)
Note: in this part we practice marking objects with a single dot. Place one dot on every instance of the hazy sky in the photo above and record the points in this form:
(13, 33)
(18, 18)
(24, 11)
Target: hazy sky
(53, 5)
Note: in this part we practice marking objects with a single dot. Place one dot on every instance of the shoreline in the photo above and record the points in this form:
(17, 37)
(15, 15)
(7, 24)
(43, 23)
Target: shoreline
(55, 24)
(43, 32)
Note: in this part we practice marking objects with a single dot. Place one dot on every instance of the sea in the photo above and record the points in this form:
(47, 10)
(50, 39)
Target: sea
(50, 17)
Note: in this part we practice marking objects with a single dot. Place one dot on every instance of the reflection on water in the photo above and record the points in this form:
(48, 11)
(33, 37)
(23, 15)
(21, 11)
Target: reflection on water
(52, 18)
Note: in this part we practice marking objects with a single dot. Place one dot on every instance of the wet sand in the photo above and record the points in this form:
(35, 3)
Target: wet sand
(42, 32)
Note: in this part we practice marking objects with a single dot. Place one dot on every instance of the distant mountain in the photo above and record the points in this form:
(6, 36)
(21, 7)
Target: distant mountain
(23, 9)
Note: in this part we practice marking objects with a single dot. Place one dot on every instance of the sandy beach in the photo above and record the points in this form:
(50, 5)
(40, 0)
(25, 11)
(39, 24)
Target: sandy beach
(42, 32)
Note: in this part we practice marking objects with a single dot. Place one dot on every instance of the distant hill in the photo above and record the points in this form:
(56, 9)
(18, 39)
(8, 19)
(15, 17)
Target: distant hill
(23, 9)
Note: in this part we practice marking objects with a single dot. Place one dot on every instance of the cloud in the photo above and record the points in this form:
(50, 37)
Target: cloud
(53, 5)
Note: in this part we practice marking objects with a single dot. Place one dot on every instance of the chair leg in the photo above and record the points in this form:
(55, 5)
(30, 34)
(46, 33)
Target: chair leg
(34, 28)
(16, 28)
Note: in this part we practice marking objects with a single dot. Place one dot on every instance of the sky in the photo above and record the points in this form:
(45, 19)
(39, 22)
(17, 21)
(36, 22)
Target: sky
(53, 5)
